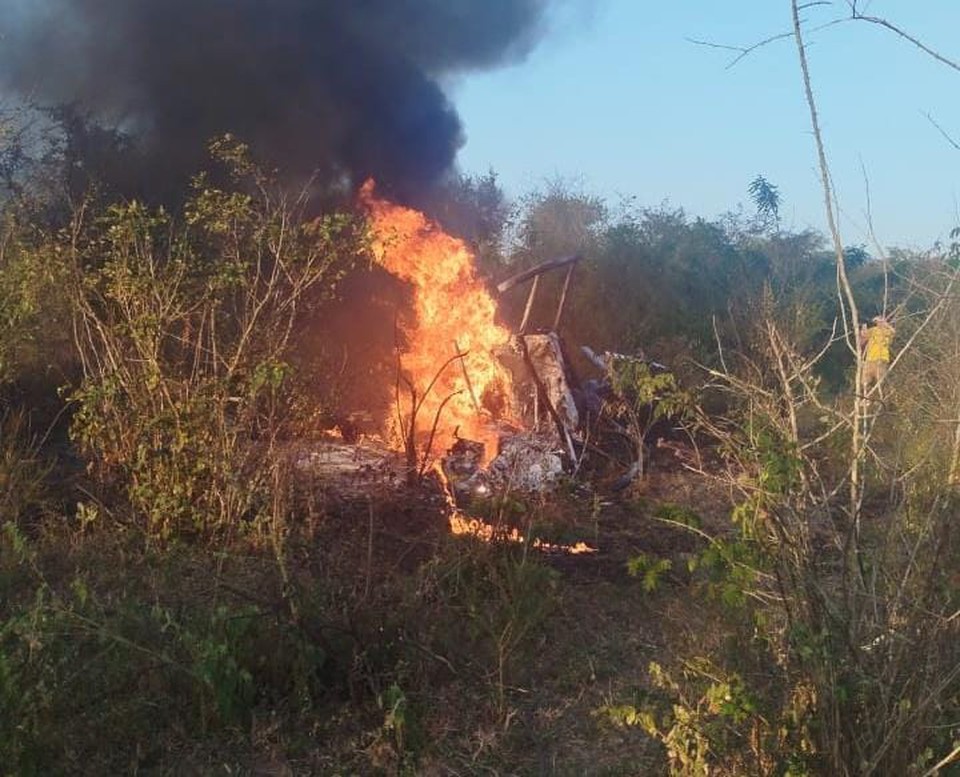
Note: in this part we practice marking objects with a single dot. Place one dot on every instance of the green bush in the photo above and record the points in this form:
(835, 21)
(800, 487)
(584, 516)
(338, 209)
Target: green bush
(184, 330)
(500, 596)
(33, 313)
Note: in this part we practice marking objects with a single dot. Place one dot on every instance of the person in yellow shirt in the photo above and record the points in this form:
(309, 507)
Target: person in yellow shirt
(875, 344)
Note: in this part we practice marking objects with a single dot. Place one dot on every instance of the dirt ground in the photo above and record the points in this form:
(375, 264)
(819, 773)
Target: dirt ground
(595, 646)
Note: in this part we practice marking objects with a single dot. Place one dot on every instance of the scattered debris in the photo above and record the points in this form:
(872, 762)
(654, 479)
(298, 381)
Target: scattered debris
(463, 469)
(526, 463)
(350, 468)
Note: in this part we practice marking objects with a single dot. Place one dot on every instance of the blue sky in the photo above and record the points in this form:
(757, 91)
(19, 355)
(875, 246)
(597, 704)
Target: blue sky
(618, 101)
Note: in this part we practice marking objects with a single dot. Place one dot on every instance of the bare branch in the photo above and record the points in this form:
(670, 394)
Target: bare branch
(856, 16)
(713, 45)
(742, 51)
(943, 132)
(745, 51)
(873, 239)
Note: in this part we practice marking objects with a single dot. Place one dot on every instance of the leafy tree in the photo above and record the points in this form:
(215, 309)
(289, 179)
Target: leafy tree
(766, 199)
(558, 221)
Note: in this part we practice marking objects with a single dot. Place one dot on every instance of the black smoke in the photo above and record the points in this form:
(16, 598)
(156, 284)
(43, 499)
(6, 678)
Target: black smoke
(350, 88)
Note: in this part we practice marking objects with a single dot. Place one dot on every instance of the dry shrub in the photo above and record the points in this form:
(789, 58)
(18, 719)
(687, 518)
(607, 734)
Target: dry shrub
(184, 329)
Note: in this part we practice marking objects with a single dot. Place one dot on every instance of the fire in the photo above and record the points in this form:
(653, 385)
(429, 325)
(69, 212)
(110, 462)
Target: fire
(454, 314)
(461, 525)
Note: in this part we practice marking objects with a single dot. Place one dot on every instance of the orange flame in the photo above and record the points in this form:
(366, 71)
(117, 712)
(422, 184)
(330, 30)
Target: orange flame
(463, 525)
(454, 313)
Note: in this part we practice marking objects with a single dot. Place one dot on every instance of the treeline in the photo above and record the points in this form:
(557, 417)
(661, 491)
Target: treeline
(660, 281)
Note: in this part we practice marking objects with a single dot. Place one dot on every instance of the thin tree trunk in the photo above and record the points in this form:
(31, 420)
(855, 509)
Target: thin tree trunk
(851, 317)
(955, 457)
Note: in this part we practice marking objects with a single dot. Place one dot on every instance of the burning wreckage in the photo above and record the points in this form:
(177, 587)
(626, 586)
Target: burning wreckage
(500, 411)
(558, 414)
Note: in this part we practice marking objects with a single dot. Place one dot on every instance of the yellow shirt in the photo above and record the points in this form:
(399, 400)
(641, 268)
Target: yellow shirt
(879, 338)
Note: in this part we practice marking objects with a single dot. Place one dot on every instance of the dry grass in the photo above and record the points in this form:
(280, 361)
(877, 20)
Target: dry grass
(380, 594)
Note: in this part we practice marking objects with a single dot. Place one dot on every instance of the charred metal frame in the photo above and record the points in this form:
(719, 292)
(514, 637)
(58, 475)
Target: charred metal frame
(570, 262)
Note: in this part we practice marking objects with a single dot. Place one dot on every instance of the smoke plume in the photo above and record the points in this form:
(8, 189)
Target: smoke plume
(347, 87)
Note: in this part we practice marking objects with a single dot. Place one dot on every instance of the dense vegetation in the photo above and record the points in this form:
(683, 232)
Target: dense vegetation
(175, 600)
